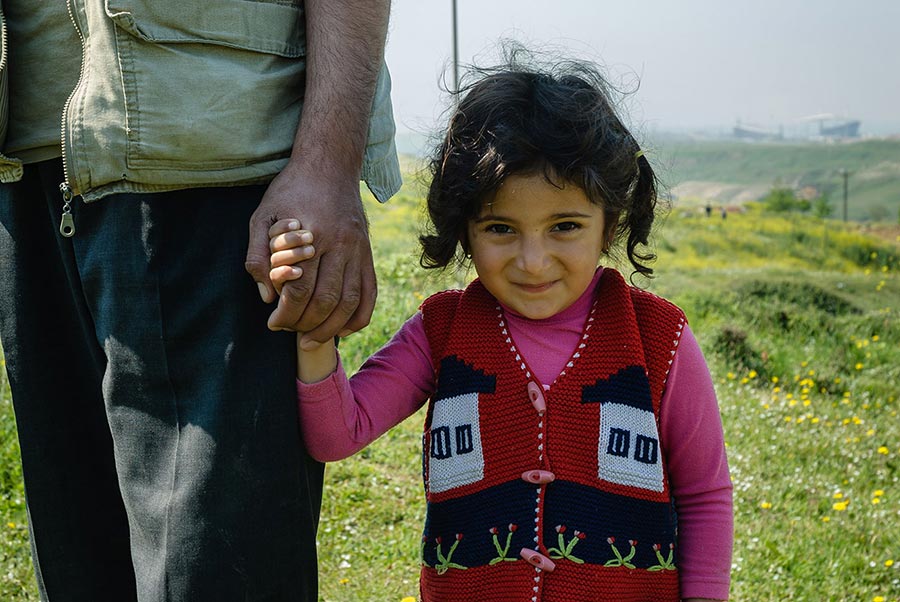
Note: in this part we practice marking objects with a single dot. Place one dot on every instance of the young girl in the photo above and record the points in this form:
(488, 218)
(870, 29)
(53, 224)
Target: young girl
(572, 448)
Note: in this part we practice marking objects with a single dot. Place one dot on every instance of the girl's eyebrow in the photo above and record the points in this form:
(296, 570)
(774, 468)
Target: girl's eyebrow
(493, 217)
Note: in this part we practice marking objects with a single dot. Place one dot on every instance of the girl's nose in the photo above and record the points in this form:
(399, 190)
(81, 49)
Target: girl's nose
(533, 256)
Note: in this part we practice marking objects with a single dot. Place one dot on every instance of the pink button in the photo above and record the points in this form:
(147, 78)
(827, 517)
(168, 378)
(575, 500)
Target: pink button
(537, 397)
(537, 559)
(538, 477)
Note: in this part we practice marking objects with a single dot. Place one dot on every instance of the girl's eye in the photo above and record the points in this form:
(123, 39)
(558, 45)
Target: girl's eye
(498, 229)
(566, 226)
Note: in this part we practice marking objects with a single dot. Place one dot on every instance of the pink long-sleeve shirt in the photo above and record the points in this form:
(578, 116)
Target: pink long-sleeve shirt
(339, 417)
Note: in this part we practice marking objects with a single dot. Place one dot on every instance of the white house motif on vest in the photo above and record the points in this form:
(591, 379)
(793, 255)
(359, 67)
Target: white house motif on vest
(628, 450)
(455, 455)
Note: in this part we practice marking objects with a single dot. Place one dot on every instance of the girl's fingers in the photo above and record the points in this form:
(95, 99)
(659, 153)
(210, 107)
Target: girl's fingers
(292, 255)
(283, 274)
(287, 240)
(282, 226)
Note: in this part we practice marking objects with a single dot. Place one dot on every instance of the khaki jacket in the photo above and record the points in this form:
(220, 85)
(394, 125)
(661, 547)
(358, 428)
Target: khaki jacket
(178, 94)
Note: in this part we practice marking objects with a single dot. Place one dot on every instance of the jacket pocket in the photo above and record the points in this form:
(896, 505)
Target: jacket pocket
(208, 85)
(269, 26)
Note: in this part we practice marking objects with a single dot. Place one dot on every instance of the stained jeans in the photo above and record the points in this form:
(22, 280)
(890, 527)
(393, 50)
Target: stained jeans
(156, 412)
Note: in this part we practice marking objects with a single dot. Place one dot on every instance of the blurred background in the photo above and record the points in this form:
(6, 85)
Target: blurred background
(781, 92)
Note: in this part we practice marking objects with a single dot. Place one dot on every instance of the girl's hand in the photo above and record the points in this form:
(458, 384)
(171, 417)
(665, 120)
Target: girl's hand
(289, 245)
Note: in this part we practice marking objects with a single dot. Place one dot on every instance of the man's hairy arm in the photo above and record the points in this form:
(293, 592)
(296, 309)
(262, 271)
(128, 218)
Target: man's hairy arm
(320, 184)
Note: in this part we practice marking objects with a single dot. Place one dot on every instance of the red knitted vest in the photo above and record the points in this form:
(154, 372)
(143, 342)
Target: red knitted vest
(606, 519)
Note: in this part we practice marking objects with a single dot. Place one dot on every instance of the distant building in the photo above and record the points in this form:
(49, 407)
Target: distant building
(822, 127)
(832, 126)
(847, 129)
(755, 132)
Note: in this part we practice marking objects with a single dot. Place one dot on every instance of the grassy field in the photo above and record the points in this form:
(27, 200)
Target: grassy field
(800, 322)
(731, 172)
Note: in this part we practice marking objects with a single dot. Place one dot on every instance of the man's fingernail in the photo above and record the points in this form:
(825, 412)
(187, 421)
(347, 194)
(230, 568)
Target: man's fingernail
(293, 225)
(263, 291)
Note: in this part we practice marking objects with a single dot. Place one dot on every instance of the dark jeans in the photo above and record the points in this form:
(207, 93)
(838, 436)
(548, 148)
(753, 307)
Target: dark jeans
(156, 412)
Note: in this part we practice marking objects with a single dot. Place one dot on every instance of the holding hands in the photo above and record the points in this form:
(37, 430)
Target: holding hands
(337, 293)
(289, 245)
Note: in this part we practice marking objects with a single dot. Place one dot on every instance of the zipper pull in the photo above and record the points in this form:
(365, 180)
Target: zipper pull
(67, 224)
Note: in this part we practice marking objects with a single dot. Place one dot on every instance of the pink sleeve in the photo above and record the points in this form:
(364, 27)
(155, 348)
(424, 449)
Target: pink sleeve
(691, 435)
(339, 417)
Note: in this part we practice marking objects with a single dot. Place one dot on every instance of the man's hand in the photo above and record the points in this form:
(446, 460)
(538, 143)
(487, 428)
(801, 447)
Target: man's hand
(320, 184)
(337, 292)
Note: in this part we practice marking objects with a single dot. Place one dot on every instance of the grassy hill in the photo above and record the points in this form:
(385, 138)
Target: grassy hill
(732, 172)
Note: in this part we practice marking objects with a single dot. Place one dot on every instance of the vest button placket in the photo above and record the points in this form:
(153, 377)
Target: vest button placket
(540, 477)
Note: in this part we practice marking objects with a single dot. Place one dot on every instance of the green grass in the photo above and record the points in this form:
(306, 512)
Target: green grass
(800, 322)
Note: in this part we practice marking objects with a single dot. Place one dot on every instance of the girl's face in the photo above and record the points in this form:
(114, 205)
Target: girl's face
(535, 246)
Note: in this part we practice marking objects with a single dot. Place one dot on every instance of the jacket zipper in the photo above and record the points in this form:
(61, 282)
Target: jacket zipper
(67, 222)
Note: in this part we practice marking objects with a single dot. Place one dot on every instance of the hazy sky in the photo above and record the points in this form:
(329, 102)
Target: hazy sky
(700, 63)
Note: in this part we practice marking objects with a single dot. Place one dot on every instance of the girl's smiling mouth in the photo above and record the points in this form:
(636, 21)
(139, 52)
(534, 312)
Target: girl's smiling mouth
(536, 288)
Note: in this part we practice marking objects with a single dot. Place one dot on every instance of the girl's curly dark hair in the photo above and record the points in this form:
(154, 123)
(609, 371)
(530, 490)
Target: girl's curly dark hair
(521, 120)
